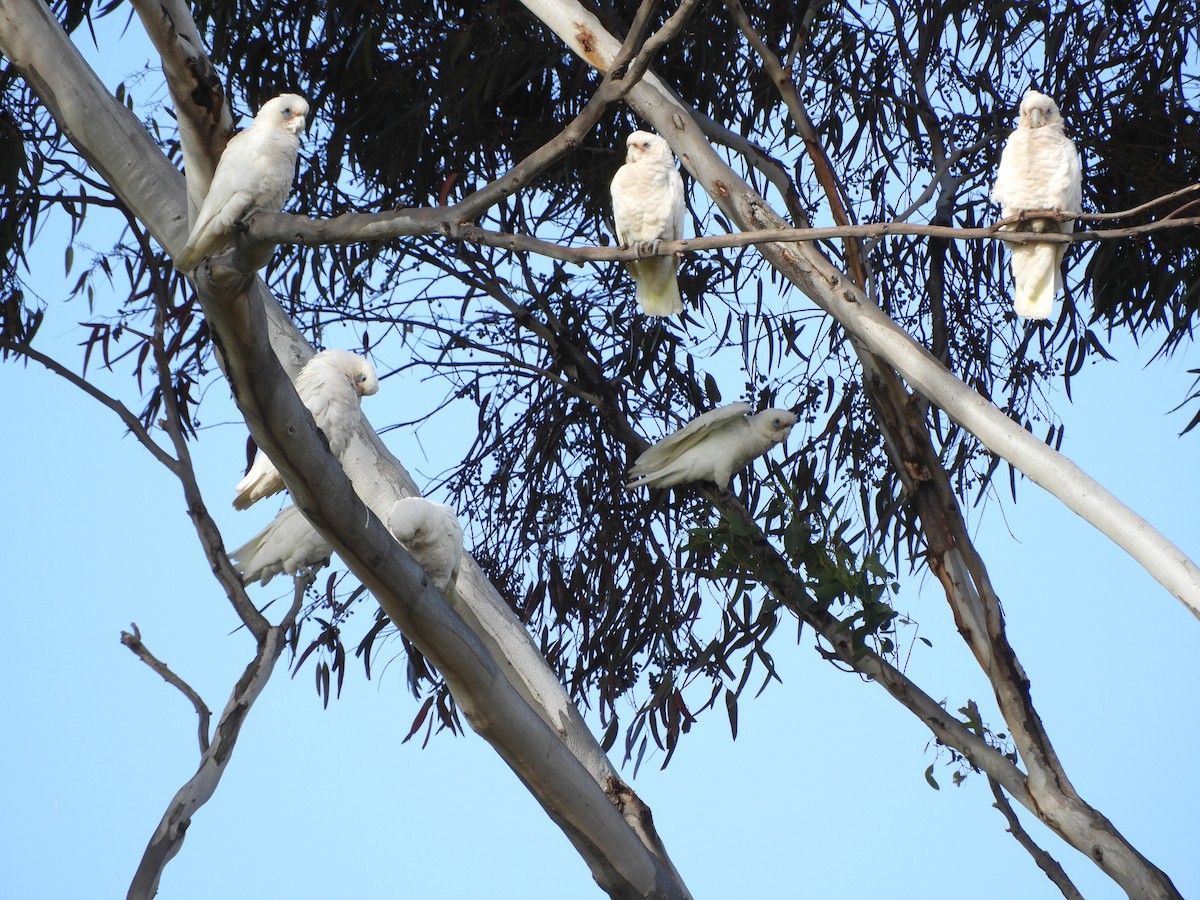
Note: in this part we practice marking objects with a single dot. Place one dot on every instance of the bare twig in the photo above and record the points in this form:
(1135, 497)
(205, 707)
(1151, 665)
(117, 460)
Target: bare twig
(1045, 861)
(167, 839)
(123, 412)
(133, 640)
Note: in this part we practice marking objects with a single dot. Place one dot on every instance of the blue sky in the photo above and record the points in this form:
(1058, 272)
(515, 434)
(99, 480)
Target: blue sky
(822, 794)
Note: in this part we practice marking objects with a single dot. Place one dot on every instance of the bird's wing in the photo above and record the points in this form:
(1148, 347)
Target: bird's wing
(1012, 172)
(675, 187)
(286, 545)
(625, 202)
(691, 434)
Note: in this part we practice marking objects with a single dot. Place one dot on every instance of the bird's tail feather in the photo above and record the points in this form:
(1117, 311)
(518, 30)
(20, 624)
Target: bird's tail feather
(1037, 278)
(255, 486)
(657, 286)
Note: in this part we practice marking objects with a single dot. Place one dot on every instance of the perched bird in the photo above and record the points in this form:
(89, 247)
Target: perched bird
(332, 385)
(1039, 169)
(711, 447)
(431, 533)
(647, 196)
(289, 545)
(254, 172)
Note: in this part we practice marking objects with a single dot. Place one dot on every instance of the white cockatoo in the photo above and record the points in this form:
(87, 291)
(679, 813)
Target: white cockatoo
(647, 196)
(431, 533)
(254, 172)
(289, 545)
(711, 447)
(332, 385)
(1039, 169)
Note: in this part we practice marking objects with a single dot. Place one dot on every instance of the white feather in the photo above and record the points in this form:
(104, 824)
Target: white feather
(289, 544)
(647, 195)
(711, 447)
(255, 172)
(332, 385)
(431, 533)
(1039, 169)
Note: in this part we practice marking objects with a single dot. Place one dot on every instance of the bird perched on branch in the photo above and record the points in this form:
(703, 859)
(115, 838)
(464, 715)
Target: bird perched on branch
(1039, 169)
(647, 195)
(711, 447)
(289, 545)
(332, 385)
(431, 533)
(254, 172)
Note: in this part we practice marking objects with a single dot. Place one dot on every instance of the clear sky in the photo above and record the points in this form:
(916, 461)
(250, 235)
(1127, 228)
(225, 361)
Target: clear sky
(822, 795)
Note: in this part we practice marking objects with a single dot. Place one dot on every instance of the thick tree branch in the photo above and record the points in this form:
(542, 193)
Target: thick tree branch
(201, 111)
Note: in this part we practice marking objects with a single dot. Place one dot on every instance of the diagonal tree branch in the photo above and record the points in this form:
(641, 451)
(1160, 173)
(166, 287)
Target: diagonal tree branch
(132, 422)
(167, 839)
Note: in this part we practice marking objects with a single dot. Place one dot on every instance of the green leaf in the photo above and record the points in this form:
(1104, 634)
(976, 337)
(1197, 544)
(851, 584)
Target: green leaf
(929, 777)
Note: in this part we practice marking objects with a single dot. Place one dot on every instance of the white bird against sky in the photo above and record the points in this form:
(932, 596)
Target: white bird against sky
(332, 385)
(711, 447)
(647, 196)
(288, 545)
(255, 172)
(431, 533)
(1039, 169)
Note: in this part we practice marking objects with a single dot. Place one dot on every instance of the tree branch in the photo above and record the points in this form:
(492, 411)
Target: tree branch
(822, 166)
(1044, 860)
(132, 422)
(134, 642)
(354, 228)
(207, 531)
(167, 839)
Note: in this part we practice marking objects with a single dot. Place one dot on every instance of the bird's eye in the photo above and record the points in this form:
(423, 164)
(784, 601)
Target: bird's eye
(362, 379)
(287, 111)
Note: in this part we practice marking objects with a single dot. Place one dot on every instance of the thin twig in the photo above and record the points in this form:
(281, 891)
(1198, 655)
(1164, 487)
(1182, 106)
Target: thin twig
(123, 412)
(133, 640)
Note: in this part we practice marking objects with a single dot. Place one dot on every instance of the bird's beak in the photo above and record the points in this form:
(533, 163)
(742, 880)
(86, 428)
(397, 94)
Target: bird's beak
(1037, 118)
